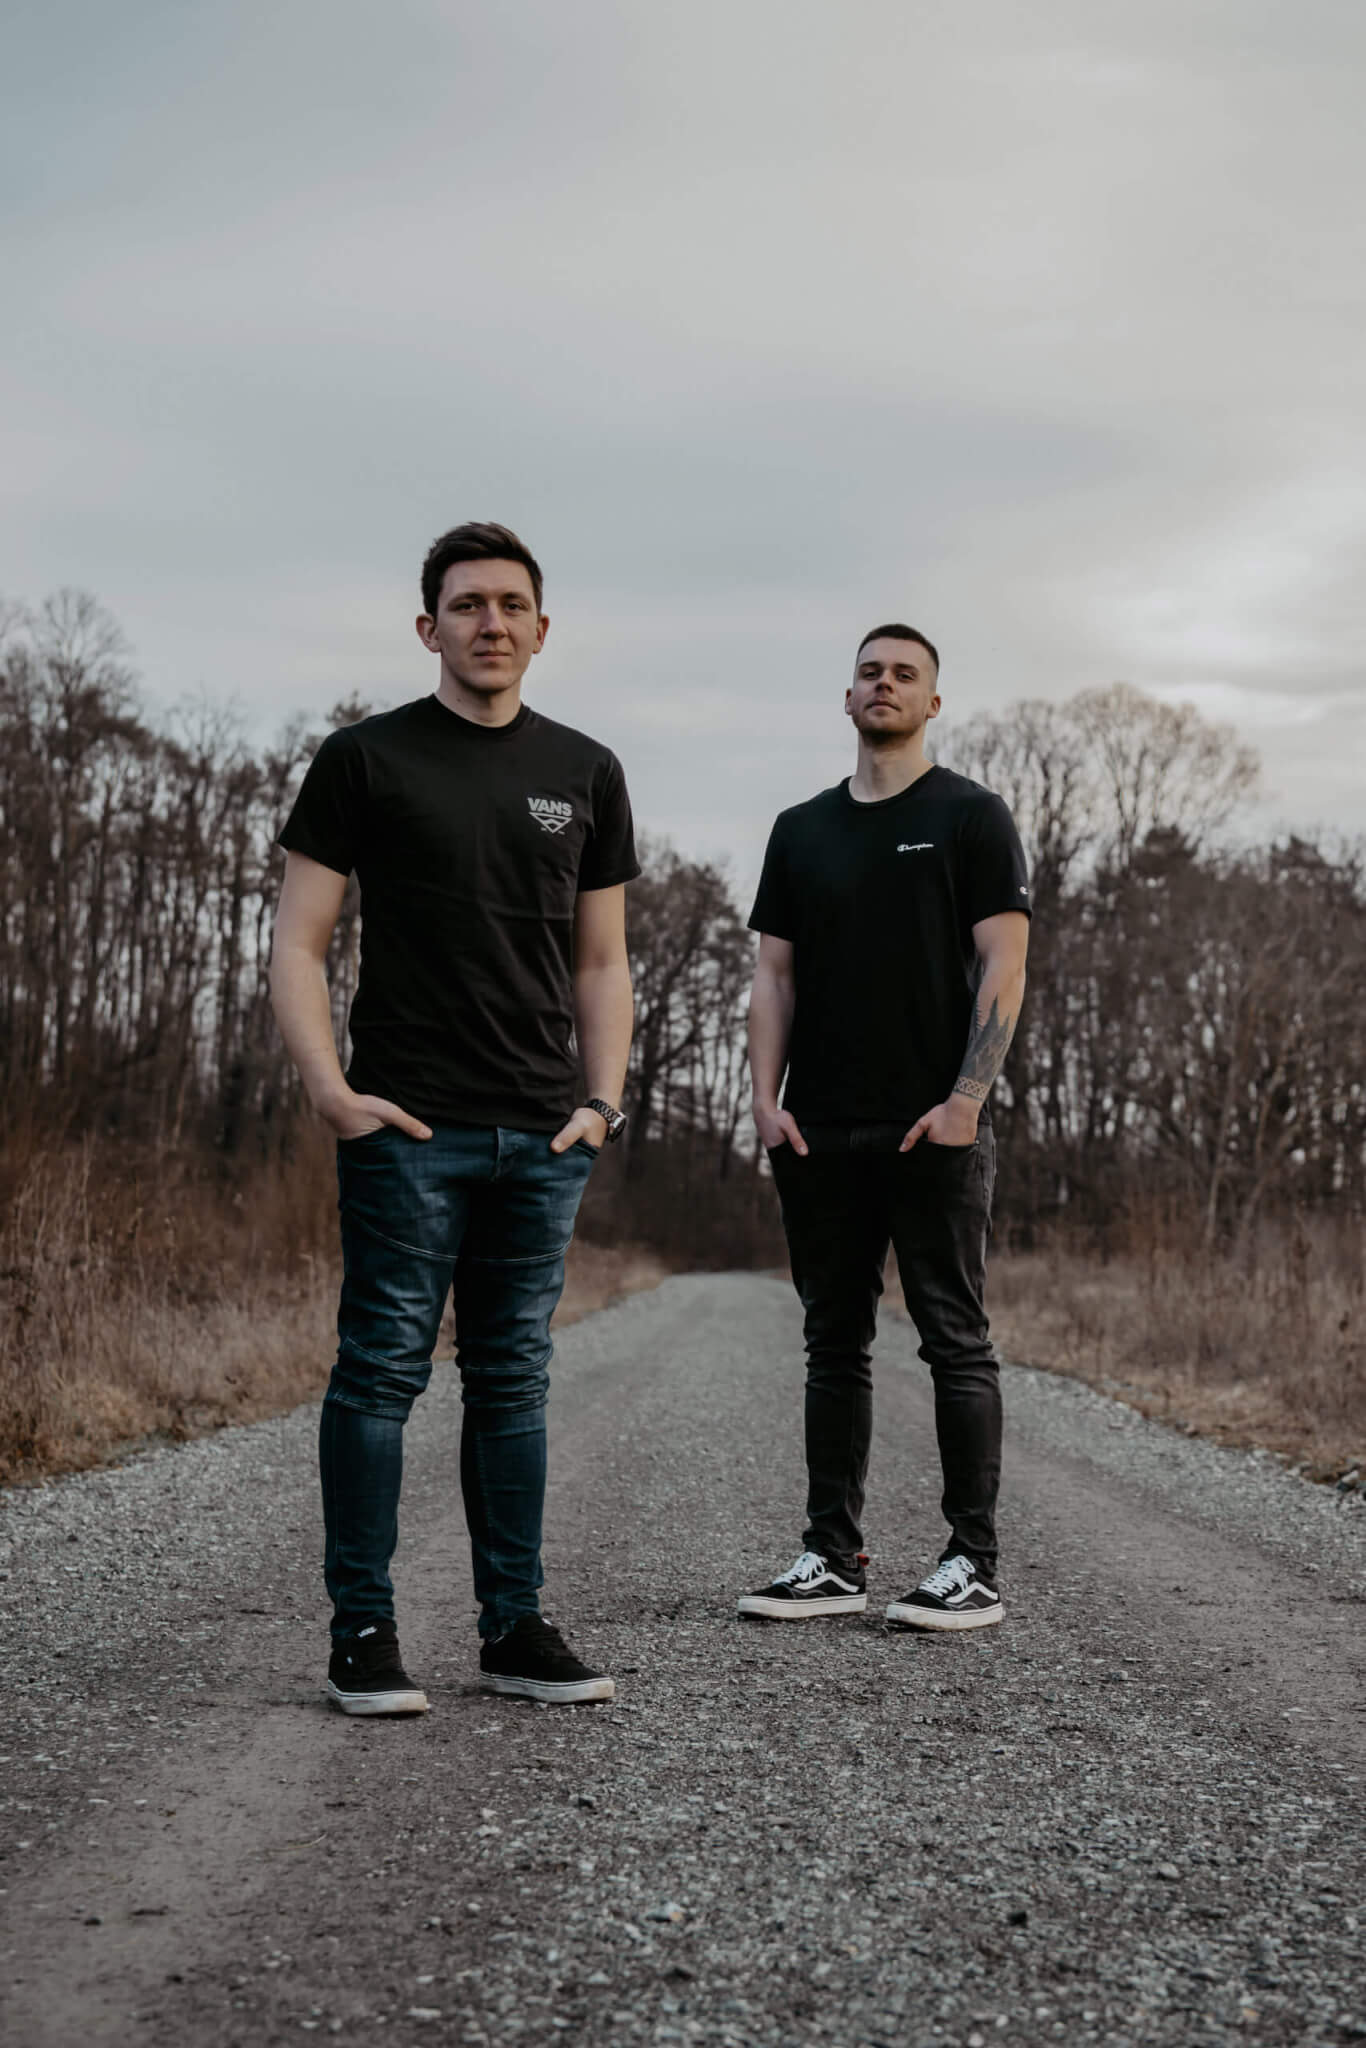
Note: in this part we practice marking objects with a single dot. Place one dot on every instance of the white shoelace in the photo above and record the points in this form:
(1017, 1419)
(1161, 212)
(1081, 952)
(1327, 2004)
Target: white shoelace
(951, 1577)
(808, 1566)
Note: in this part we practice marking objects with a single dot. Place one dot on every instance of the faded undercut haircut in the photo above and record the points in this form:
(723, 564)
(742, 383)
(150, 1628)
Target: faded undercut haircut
(478, 540)
(896, 632)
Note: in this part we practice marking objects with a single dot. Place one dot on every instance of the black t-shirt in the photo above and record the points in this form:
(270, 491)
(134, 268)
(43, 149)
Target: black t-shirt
(879, 901)
(470, 844)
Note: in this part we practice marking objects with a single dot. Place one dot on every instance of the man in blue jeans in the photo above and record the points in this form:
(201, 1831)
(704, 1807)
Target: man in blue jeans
(492, 848)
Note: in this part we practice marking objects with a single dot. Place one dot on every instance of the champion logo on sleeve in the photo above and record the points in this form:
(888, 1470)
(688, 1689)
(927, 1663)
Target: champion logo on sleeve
(920, 846)
(550, 813)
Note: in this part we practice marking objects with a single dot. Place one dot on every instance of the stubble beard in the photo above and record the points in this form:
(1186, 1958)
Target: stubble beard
(880, 737)
(483, 684)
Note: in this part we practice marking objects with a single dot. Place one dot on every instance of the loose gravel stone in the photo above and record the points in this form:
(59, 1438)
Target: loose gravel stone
(1132, 1814)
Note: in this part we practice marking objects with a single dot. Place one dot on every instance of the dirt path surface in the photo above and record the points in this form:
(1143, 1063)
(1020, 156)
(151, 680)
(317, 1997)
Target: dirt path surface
(1132, 1813)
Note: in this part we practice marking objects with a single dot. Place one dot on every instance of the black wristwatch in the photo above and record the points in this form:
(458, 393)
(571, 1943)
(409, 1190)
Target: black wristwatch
(613, 1118)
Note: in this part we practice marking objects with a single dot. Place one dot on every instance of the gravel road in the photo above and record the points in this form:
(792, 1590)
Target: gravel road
(1132, 1813)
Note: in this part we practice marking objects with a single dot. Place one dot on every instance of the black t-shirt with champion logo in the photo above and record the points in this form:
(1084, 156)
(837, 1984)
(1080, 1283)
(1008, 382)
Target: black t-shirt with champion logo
(879, 901)
(470, 844)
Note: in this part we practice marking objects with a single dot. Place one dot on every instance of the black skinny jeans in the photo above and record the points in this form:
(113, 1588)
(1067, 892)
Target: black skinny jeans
(843, 1205)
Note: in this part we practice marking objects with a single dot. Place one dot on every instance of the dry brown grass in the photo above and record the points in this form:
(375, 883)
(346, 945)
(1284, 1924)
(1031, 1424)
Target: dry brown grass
(599, 1274)
(141, 1297)
(1266, 1351)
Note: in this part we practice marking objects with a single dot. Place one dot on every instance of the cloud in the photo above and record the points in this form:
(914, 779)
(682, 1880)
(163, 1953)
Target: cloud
(1251, 711)
(1040, 327)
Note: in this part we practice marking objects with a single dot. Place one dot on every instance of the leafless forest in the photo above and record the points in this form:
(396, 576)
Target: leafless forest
(1182, 1122)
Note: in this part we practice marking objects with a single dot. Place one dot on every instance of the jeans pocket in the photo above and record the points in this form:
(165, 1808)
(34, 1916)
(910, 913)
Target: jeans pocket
(582, 1145)
(364, 1137)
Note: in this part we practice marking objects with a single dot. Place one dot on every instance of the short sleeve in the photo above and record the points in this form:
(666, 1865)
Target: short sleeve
(773, 910)
(609, 851)
(995, 874)
(325, 822)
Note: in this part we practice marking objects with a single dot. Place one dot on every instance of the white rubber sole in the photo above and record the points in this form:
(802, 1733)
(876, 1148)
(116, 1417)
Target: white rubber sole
(567, 1694)
(409, 1701)
(801, 1610)
(929, 1617)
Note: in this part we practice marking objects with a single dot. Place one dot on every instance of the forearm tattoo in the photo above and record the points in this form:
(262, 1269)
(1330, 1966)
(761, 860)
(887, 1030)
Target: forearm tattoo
(988, 1044)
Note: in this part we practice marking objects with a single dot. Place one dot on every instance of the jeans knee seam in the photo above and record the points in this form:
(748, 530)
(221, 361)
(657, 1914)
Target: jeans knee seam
(397, 1244)
(532, 1259)
(519, 1368)
(349, 1345)
(389, 1411)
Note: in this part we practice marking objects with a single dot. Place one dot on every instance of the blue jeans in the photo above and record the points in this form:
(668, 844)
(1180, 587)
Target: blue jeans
(489, 1213)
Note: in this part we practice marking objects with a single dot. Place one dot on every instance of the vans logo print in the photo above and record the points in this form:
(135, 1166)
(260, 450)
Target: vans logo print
(550, 814)
(920, 846)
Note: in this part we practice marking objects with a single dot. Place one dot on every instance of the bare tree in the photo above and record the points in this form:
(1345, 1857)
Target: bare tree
(681, 930)
(1160, 768)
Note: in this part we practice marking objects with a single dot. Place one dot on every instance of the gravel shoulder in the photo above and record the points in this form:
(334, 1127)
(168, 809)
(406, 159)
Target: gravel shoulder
(1131, 1814)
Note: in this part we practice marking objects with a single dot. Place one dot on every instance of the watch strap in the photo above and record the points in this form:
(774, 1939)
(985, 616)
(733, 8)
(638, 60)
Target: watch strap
(612, 1117)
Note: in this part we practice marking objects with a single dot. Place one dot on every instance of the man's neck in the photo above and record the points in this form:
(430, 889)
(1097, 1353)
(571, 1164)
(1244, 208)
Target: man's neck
(886, 771)
(481, 707)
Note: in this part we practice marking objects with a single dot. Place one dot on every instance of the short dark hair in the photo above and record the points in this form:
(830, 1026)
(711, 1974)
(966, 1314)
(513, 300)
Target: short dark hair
(895, 632)
(478, 540)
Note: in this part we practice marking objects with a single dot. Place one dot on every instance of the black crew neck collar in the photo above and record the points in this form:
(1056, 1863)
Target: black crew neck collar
(469, 728)
(882, 803)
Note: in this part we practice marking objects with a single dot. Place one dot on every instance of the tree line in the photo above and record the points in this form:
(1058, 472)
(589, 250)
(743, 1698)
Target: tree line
(1195, 1024)
(1192, 1033)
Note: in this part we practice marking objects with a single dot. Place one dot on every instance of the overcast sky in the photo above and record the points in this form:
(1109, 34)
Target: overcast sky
(1039, 326)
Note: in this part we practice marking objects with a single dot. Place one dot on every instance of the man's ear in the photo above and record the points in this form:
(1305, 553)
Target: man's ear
(542, 628)
(848, 703)
(426, 632)
(932, 708)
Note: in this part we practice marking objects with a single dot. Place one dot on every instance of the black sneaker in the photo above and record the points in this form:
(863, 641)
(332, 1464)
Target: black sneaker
(955, 1595)
(366, 1674)
(812, 1586)
(534, 1661)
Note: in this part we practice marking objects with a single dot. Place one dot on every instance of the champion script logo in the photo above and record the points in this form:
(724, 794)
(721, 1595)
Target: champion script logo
(550, 814)
(920, 846)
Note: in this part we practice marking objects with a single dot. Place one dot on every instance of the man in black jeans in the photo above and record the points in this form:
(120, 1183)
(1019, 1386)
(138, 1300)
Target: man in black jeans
(893, 914)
